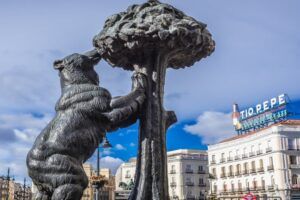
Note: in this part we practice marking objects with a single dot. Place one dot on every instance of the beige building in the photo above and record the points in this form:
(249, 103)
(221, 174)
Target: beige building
(265, 163)
(107, 192)
(187, 175)
(14, 190)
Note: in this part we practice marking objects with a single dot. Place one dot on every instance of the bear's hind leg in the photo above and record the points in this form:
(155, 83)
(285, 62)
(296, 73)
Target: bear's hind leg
(41, 196)
(67, 192)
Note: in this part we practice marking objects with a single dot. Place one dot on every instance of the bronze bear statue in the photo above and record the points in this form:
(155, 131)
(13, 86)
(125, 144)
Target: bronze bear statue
(84, 113)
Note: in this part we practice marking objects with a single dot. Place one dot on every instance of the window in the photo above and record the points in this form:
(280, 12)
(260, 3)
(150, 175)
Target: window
(238, 169)
(230, 170)
(270, 161)
(254, 184)
(127, 174)
(200, 168)
(294, 179)
(291, 144)
(225, 187)
(261, 164)
(223, 172)
(247, 184)
(232, 186)
(253, 164)
(201, 182)
(263, 184)
(293, 160)
(214, 171)
(213, 158)
(239, 185)
(215, 188)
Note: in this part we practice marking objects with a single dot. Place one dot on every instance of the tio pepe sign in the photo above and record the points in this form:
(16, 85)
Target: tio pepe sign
(263, 114)
(263, 107)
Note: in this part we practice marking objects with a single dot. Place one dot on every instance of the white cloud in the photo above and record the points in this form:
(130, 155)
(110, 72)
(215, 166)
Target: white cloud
(212, 127)
(120, 147)
(107, 151)
(17, 134)
(111, 163)
(132, 144)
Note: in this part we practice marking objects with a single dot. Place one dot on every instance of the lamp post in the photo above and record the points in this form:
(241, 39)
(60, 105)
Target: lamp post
(96, 184)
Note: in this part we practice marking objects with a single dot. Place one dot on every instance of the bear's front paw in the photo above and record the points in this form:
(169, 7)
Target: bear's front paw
(139, 80)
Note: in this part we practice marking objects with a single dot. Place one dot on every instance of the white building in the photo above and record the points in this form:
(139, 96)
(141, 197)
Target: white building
(264, 163)
(187, 174)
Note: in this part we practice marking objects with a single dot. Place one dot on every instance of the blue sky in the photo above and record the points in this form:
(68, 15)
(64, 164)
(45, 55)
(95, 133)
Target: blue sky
(257, 57)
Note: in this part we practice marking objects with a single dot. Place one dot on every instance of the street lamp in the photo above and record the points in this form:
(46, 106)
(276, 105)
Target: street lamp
(96, 184)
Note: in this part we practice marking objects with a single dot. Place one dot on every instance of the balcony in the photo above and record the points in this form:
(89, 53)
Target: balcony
(271, 188)
(244, 156)
(222, 160)
(230, 174)
(292, 148)
(238, 173)
(212, 162)
(251, 154)
(223, 175)
(294, 166)
(173, 184)
(296, 187)
(173, 171)
(229, 159)
(127, 176)
(202, 185)
(270, 167)
(269, 149)
(212, 176)
(252, 171)
(245, 172)
(189, 171)
(259, 152)
(237, 157)
(201, 172)
(260, 169)
(189, 184)
(262, 188)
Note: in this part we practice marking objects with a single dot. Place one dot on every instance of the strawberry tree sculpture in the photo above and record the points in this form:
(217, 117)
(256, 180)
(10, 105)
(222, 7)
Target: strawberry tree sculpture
(148, 39)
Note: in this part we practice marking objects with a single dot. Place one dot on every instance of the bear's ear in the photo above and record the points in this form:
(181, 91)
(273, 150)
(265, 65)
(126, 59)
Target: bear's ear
(58, 64)
(94, 56)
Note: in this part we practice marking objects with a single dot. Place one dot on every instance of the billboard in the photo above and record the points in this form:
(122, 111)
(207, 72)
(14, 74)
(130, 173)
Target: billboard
(261, 115)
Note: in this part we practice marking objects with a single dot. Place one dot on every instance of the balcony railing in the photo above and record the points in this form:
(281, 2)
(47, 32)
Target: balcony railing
(260, 169)
(252, 171)
(244, 156)
(189, 184)
(172, 171)
(201, 172)
(222, 160)
(262, 188)
(237, 157)
(294, 166)
(296, 187)
(251, 154)
(230, 174)
(229, 159)
(238, 173)
(245, 172)
(127, 176)
(202, 185)
(173, 184)
(189, 171)
(259, 152)
(212, 162)
(271, 187)
(270, 167)
(269, 149)
(223, 175)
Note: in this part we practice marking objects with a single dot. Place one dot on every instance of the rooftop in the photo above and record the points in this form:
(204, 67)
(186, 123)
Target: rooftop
(286, 123)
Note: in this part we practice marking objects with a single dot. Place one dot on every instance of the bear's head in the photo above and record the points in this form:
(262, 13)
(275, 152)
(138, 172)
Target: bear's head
(78, 69)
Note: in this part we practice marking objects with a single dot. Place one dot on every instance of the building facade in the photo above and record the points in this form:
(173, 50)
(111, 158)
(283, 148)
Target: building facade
(107, 191)
(12, 190)
(265, 163)
(187, 175)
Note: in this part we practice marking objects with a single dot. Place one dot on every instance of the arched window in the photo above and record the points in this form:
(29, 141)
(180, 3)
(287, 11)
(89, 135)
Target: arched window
(294, 179)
